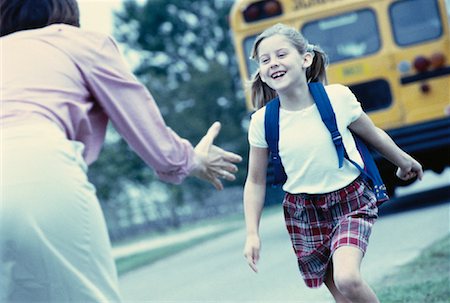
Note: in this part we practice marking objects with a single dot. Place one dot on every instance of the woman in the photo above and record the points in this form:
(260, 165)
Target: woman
(60, 86)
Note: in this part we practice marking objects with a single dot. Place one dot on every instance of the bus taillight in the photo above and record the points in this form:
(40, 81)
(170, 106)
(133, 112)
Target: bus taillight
(421, 64)
(262, 10)
(438, 60)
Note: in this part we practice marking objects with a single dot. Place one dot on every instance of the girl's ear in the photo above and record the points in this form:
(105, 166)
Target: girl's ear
(307, 59)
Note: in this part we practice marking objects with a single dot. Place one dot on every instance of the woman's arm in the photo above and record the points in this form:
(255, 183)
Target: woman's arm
(408, 167)
(136, 116)
(254, 195)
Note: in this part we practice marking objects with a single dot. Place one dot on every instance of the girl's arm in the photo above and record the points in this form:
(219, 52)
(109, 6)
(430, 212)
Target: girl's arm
(254, 195)
(408, 167)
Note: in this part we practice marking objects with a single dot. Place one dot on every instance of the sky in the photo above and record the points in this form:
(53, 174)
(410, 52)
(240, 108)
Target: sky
(97, 15)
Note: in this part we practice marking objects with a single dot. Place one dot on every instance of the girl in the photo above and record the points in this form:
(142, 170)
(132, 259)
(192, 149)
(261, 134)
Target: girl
(60, 85)
(329, 211)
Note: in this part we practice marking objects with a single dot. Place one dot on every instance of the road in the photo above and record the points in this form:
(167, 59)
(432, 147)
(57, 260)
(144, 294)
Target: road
(216, 271)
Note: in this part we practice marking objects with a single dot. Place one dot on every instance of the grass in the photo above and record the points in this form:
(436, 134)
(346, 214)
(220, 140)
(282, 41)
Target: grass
(424, 280)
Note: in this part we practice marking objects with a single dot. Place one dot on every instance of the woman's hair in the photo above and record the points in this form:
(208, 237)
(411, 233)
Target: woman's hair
(261, 93)
(17, 15)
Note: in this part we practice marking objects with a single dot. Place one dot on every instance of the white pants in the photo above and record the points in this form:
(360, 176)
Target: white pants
(54, 241)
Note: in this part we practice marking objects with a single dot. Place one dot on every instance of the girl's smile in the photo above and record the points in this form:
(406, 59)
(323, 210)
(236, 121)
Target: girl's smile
(278, 74)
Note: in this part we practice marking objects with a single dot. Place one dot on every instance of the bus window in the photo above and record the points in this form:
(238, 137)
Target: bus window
(373, 95)
(423, 27)
(346, 36)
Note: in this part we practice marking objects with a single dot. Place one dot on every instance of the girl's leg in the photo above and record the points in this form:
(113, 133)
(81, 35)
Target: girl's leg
(347, 276)
(329, 282)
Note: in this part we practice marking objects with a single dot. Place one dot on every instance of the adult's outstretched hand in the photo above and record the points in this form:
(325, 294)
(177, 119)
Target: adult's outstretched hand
(212, 162)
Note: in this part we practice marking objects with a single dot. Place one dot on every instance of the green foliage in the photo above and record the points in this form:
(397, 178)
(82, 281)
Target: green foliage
(187, 61)
(176, 35)
(116, 164)
(195, 105)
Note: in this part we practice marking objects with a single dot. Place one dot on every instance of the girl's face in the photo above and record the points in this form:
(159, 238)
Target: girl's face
(282, 67)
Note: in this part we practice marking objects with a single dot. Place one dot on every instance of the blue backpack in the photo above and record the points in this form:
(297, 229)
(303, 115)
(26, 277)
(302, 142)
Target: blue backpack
(272, 129)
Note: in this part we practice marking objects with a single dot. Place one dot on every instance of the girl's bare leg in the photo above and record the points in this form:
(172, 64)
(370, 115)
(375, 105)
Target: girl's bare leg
(329, 282)
(347, 277)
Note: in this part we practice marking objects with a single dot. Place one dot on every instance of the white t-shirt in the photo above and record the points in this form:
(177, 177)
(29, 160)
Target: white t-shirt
(306, 149)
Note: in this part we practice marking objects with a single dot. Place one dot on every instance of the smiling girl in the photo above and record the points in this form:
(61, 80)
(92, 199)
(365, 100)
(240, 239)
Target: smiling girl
(329, 211)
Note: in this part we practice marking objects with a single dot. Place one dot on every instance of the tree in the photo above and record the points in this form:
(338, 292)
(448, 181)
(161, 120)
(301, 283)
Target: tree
(173, 36)
(186, 59)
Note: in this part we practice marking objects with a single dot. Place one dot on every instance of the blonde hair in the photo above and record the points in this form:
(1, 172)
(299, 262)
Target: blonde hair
(261, 93)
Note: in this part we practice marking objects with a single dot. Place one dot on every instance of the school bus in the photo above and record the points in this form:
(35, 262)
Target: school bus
(393, 54)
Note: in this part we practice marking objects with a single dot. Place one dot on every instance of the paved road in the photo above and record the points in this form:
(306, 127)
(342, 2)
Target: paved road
(216, 271)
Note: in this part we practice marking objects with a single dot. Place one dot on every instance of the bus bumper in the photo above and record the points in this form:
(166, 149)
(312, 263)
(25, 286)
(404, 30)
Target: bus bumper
(423, 137)
(428, 143)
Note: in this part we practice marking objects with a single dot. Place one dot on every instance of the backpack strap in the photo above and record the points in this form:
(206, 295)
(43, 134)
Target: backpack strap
(272, 134)
(328, 117)
(370, 169)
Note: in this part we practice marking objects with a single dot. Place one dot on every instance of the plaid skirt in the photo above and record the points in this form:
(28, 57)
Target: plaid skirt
(318, 224)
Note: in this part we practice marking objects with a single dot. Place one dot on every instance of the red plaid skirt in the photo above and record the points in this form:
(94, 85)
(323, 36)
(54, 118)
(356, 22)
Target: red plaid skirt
(319, 224)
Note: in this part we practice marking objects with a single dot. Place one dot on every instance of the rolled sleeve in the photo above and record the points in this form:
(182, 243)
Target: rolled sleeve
(136, 116)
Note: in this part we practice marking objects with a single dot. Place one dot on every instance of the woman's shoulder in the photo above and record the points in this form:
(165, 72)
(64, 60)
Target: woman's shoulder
(84, 46)
(85, 38)
(59, 30)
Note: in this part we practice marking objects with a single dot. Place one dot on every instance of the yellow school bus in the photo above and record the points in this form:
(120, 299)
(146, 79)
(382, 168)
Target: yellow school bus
(393, 54)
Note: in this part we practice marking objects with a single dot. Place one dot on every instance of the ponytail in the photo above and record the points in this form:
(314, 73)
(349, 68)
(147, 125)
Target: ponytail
(261, 93)
(317, 71)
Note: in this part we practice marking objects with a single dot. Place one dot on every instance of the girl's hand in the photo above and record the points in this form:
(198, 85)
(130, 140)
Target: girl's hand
(410, 170)
(251, 251)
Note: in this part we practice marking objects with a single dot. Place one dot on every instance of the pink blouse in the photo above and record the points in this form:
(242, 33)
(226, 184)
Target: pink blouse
(78, 79)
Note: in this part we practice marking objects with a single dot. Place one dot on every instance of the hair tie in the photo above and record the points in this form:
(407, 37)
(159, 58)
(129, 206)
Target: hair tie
(310, 48)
